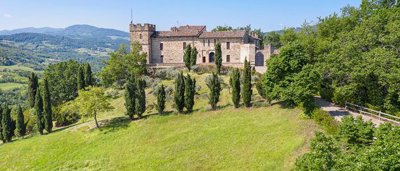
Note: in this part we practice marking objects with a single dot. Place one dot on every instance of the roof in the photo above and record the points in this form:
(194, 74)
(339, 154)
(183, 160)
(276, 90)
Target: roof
(223, 34)
(182, 31)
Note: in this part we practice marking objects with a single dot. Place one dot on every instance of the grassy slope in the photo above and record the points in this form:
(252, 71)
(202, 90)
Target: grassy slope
(266, 138)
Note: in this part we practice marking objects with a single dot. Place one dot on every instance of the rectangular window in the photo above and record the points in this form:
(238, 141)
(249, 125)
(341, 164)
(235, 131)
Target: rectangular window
(161, 46)
(162, 59)
(184, 45)
(215, 41)
(208, 41)
(228, 58)
(228, 45)
(204, 43)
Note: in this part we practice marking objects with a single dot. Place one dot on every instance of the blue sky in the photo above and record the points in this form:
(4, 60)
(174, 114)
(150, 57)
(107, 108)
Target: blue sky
(265, 14)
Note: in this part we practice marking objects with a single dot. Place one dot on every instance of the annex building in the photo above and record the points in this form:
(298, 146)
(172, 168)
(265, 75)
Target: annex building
(166, 48)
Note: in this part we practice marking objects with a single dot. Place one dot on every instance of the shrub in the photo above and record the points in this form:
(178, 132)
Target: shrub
(65, 115)
(325, 120)
(112, 93)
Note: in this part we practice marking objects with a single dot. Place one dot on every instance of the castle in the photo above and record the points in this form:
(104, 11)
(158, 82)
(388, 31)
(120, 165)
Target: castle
(166, 48)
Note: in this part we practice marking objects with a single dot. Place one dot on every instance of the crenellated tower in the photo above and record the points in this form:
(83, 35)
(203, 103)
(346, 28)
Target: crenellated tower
(142, 34)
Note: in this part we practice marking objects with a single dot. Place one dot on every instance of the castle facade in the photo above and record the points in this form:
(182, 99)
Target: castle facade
(166, 48)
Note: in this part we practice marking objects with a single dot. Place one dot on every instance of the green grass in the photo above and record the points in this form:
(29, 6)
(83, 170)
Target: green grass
(17, 67)
(265, 138)
(9, 86)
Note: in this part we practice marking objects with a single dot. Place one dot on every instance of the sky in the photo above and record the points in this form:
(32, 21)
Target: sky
(265, 14)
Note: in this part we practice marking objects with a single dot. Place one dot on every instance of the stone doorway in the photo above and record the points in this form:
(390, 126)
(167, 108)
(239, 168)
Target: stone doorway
(211, 57)
(260, 59)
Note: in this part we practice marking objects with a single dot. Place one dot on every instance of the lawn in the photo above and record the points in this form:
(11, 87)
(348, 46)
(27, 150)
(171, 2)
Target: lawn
(263, 138)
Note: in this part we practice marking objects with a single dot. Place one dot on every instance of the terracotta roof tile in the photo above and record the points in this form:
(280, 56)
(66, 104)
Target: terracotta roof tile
(223, 34)
(182, 31)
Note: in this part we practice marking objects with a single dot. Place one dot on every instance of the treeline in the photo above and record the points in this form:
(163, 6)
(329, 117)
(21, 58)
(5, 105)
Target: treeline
(353, 56)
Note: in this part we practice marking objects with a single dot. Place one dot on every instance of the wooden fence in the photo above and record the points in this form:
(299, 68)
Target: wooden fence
(374, 113)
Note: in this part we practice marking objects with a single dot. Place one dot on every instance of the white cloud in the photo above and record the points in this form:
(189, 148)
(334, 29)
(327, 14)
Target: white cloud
(7, 15)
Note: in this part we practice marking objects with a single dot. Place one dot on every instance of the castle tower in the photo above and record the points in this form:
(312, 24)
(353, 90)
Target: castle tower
(142, 34)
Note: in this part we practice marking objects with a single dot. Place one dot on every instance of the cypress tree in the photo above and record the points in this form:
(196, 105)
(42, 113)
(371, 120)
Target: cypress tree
(179, 96)
(193, 56)
(140, 97)
(215, 88)
(218, 57)
(48, 113)
(21, 130)
(190, 90)
(246, 90)
(81, 78)
(39, 112)
(88, 75)
(187, 57)
(33, 85)
(161, 99)
(130, 90)
(6, 124)
(234, 81)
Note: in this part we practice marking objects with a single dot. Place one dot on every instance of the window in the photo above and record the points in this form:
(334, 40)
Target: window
(204, 43)
(215, 41)
(184, 45)
(228, 45)
(162, 59)
(140, 36)
(208, 41)
(204, 59)
(228, 58)
(161, 46)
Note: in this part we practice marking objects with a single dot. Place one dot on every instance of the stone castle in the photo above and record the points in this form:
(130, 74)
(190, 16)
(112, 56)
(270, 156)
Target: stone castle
(166, 48)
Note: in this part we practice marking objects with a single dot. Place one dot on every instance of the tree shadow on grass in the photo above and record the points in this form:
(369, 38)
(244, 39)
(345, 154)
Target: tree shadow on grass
(115, 124)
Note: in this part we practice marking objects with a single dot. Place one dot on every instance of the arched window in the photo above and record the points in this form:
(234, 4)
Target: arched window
(204, 59)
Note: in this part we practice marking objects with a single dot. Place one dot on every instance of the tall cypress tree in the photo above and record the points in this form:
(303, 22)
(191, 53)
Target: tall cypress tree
(48, 113)
(140, 97)
(1, 125)
(193, 56)
(161, 99)
(88, 75)
(218, 57)
(81, 78)
(234, 81)
(179, 96)
(21, 130)
(215, 89)
(7, 124)
(187, 57)
(130, 94)
(39, 112)
(33, 85)
(247, 87)
(190, 90)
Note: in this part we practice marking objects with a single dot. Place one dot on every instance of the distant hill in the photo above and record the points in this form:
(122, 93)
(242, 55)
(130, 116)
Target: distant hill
(38, 47)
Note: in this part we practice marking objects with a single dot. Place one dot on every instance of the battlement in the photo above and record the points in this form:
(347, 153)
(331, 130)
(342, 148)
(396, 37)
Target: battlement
(140, 27)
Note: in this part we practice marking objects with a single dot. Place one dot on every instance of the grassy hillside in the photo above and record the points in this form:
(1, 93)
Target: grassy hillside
(264, 138)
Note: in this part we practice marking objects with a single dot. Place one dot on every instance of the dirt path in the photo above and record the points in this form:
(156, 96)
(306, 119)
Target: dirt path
(338, 112)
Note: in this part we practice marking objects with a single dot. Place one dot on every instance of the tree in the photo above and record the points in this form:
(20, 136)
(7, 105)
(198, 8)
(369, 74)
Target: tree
(215, 89)
(130, 98)
(6, 124)
(274, 39)
(39, 112)
(81, 78)
(33, 85)
(88, 75)
(140, 97)
(179, 96)
(218, 57)
(62, 78)
(91, 101)
(161, 99)
(187, 57)
(21, 129)
(193, 56)
(234, 82)
(190, 91)
(222, 28)
(48, 113)
(1, 125)
(123, 65)
(247, 87)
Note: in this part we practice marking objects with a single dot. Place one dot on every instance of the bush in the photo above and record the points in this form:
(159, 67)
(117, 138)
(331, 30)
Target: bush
(325, 120)
(66, 114)
(112, 93)
(166, 74)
